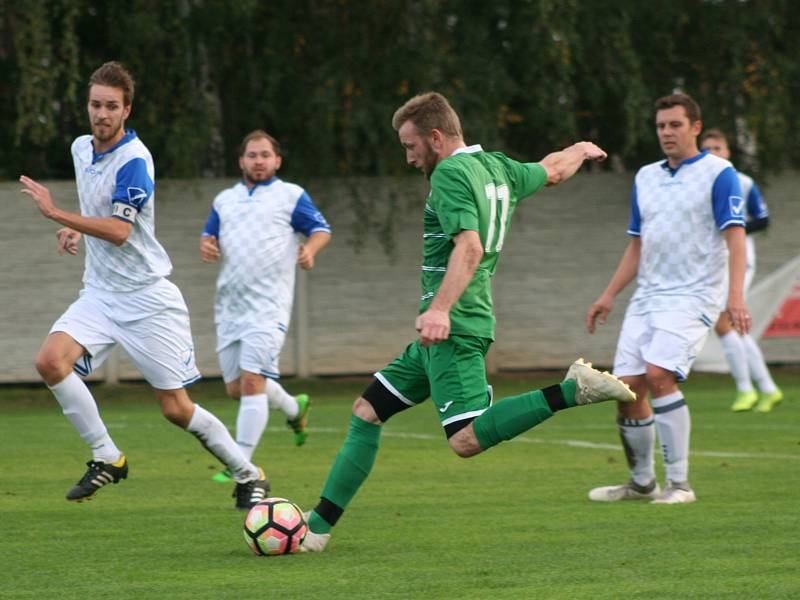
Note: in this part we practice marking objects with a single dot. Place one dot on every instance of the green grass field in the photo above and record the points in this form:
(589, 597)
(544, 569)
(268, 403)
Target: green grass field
(513, 523)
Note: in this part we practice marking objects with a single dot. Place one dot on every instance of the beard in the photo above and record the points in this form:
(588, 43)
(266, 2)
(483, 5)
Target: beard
(253, 179)
(428, 161)
(105, 132)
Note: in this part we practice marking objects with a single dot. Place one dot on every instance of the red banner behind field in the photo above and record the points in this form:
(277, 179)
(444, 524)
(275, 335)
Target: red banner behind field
(787, 320)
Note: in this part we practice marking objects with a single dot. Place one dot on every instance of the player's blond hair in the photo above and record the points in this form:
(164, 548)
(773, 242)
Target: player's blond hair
(113, 74)
(429, 111)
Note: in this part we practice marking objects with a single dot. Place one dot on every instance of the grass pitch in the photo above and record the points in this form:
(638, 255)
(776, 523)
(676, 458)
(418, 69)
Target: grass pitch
(512, 523)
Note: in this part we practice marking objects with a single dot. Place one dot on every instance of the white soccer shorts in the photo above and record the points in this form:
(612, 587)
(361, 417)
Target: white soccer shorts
(151, 325)
(249, 347)
(668, 339)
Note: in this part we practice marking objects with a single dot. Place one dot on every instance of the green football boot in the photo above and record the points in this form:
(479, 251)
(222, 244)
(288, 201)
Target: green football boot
(300, 423)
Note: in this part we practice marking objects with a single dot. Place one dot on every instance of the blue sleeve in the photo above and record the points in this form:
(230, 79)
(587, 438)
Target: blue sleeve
(212, 225)
(756, 207)
(726, 198)
(306, 218)
(134, 186)
(635, 224)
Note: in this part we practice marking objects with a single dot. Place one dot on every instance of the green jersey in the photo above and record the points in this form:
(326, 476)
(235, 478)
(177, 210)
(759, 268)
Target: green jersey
(477, 191)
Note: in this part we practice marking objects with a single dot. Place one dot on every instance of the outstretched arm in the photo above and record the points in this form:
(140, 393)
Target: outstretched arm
(562, 165)
(109, 229)
(626, 271)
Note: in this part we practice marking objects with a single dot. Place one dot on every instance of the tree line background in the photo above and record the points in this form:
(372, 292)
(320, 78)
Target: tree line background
(325, 76)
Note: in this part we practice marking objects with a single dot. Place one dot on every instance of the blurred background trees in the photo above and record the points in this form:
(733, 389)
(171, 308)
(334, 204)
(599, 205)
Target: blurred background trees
(325, 76)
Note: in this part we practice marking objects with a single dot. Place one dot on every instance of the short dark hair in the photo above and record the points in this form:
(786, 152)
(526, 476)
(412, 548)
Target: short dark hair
(429, 111)
(259, 134)
(713, 134)
(113, 74)
(685, 100)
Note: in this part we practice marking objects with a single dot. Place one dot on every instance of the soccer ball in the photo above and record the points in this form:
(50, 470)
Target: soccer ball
(275, 526)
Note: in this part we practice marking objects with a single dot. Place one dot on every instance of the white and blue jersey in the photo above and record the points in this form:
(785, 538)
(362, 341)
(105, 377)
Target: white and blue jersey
(119, 183)
(755, 205)
(756, 209)
(258, 233)
(679, 214)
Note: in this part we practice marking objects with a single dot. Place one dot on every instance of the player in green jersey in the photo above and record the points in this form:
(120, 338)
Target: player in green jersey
(467, 214)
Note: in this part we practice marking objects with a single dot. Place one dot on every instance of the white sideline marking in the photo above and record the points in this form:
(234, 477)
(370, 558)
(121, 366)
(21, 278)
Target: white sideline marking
(573, 444)
(528, 440)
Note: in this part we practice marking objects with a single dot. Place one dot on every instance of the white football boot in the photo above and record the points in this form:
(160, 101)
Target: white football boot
(314, 542)
(627, 491)
(676, 493)
(594, 386)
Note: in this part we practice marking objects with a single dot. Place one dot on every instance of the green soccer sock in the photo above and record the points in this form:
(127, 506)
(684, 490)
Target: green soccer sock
(350, 469)
(511, 416)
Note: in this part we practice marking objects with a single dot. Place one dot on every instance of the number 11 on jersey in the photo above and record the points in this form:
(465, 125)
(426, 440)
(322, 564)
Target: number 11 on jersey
(497, 232)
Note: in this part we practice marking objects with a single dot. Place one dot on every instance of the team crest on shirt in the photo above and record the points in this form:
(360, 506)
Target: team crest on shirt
(737, 206)
(136, 196)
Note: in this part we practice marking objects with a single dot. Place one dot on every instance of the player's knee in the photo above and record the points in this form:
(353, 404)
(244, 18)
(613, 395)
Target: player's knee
(51, 367)
(252, 383)
(175, 410)
(364, 411)
(464, 443)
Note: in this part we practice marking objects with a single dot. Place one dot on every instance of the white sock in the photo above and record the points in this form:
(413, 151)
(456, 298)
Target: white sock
(674, 428)
(736, 355)
(758, 367)
(279, 398)
(80, 408)
(216, 439)
(251, 422)
(638, 437)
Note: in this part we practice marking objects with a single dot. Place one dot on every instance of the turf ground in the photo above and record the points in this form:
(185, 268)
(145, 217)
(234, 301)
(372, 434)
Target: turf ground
(513, 523)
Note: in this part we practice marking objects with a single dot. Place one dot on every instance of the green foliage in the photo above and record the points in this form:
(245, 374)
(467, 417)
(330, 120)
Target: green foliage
(325, 76)
(513, 523)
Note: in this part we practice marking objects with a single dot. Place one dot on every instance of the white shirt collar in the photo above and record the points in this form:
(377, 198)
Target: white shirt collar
(467, 149)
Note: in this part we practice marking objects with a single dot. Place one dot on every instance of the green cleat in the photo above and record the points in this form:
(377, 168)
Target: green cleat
(300, 422)
(224, 476)
(744, 401)
(769, 401)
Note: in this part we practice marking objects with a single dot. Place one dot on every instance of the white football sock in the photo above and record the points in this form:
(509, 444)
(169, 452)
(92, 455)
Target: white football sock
(80, 408)
(279, 398)
(251, 422)
(638, 437)
(215, 438)
(758, 367)
(736, 355)
(674, 426)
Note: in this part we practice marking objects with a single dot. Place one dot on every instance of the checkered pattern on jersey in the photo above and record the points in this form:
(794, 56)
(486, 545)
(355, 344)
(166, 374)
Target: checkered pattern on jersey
(683, 262)
(259, 238)
(141, 260)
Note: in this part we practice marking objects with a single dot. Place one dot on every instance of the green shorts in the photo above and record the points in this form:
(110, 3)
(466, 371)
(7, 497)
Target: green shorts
(452, 373)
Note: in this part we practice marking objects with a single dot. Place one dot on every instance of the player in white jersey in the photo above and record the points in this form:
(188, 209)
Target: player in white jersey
(686, 228)
(254, 227)
(126, 299)
(742, 353)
